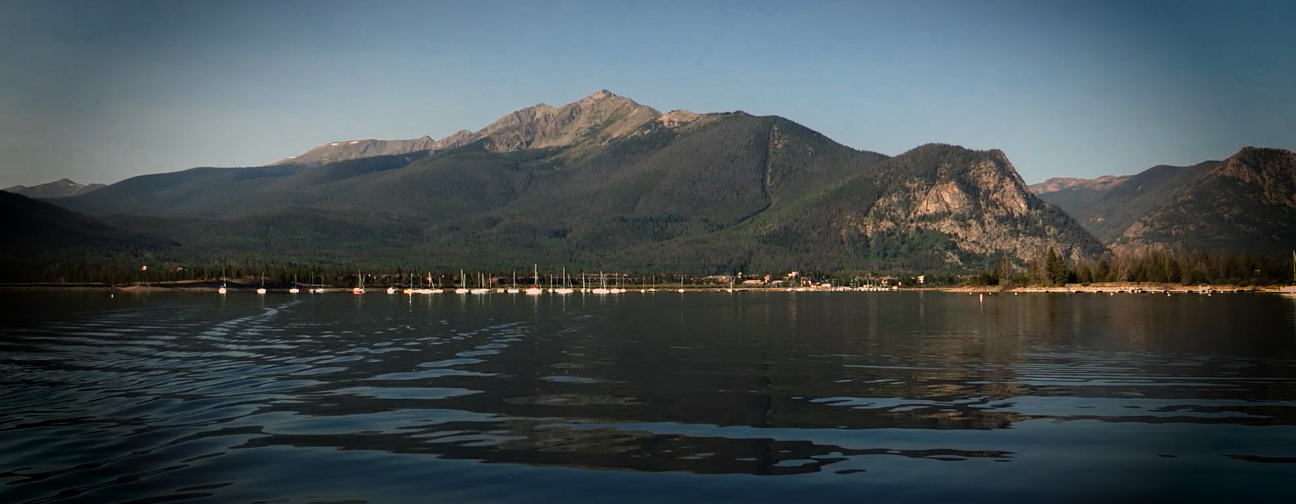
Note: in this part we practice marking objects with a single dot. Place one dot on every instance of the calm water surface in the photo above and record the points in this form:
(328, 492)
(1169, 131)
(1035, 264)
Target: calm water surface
(646, 397)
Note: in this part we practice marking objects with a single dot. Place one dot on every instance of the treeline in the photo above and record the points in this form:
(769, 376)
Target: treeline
(1149, 265)
(273, 274)
(1049, 269)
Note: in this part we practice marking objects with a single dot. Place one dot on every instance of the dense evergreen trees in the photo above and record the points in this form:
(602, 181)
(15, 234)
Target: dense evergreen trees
(1148, 265)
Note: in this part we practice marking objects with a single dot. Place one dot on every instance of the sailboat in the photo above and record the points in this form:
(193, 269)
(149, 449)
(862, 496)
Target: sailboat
(566, 285)
(359, 287)
(463, 284)
(617, 289)
(535, 279)
(681, 289)
(514, 289)
(294, 288)
(222, 288)
(433, 290)
(481, 280)
(602, 288)
(409, 289)
(262, 290)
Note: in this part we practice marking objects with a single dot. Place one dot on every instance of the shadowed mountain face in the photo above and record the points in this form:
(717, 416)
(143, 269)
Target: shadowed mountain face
(1244, 204)
(60, 188)
(607, 182)
(33, 228)
(1107, 206)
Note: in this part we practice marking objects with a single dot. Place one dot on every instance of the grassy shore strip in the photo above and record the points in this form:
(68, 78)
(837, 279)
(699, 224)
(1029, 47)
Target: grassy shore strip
(1115, 287)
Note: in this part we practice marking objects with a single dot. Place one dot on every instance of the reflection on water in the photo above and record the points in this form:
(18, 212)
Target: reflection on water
(645, 397)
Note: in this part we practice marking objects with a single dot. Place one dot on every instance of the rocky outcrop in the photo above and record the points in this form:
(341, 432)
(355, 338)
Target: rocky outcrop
(976, 199)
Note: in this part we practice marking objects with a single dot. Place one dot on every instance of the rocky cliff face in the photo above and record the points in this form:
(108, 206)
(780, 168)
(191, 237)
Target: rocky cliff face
(60, 188)
(974, 198)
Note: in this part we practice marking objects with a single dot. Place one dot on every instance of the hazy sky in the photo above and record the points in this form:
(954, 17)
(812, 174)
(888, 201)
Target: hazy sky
(100, 91)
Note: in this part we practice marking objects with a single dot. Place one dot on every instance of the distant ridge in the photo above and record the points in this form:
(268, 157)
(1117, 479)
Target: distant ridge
(60, 188)
(1244, 204)
(34, 228)
(1066, 183)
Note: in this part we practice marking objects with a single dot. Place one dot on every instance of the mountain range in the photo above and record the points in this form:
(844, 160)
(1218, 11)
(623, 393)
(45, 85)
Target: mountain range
(607, 182)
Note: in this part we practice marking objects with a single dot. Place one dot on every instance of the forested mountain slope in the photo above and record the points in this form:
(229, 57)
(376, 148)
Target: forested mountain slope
(606, 181)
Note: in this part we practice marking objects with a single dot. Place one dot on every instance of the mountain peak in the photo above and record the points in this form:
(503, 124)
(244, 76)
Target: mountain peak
(602, 115)
(1272, 172)
(600, 95)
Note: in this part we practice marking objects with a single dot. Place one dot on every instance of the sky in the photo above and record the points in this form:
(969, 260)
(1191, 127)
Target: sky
(102, 91)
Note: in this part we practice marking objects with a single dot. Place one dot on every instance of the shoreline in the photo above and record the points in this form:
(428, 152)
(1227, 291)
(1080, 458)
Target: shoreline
(1115, 287)
(1097, 288)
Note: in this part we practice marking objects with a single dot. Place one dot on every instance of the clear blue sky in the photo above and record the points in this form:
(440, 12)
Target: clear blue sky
(101, 91)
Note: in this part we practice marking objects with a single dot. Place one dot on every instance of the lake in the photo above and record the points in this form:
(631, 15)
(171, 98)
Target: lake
(646, 397)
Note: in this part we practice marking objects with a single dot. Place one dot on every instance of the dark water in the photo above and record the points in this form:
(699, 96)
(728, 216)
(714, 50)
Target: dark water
(742, 397)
